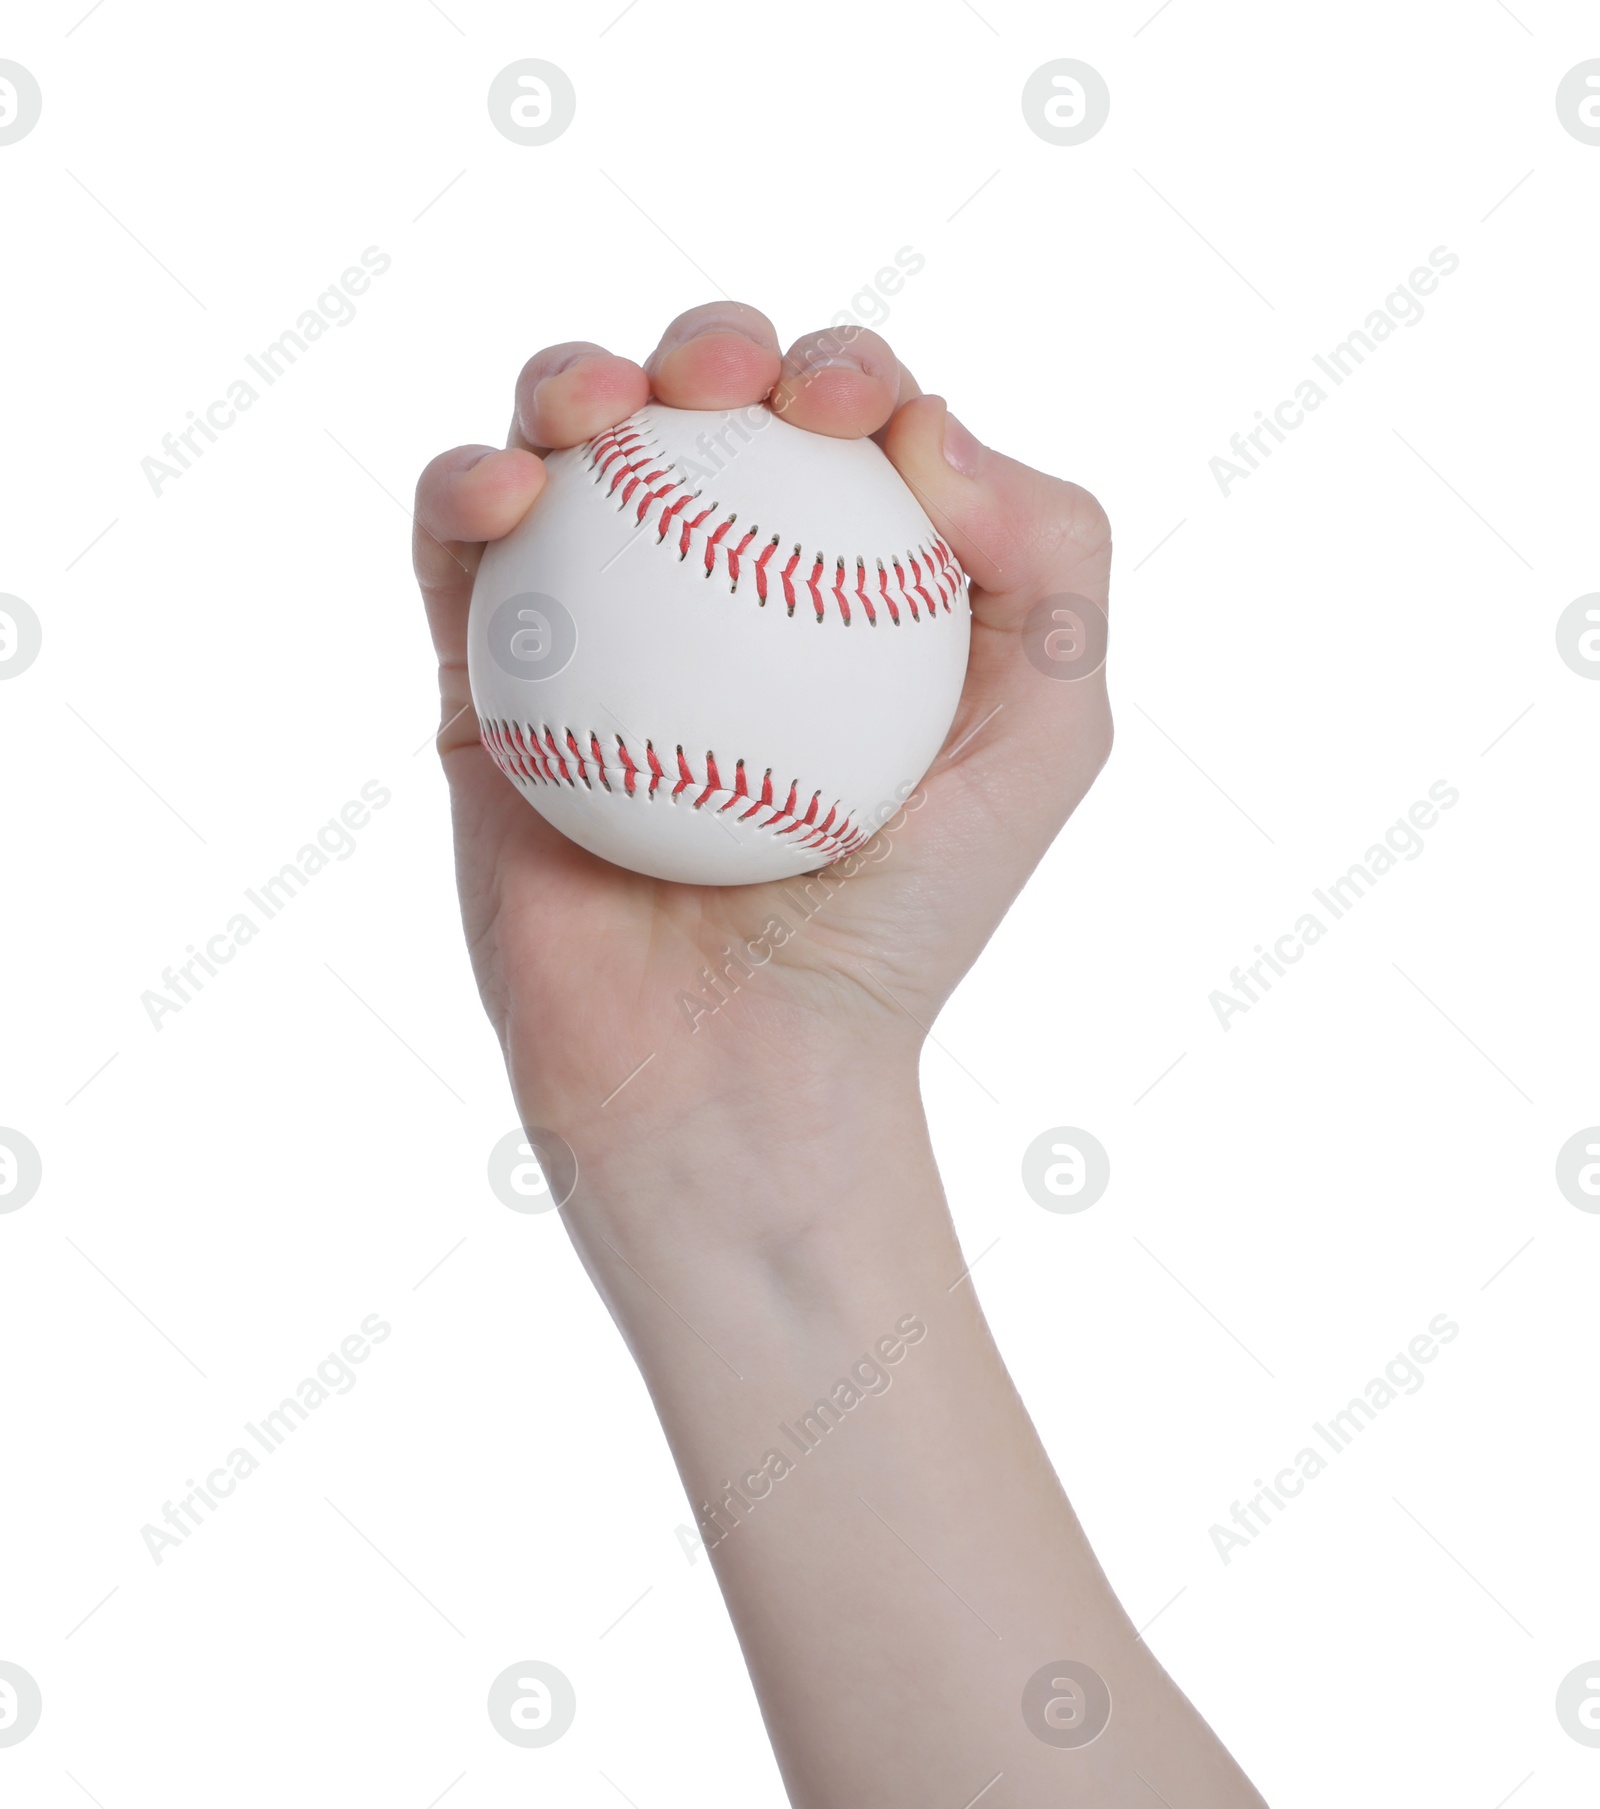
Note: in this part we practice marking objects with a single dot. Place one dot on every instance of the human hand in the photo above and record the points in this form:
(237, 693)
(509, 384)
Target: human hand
(588, 970)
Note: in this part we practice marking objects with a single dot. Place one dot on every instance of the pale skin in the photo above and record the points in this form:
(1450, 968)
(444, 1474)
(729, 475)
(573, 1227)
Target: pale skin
(759, 1205)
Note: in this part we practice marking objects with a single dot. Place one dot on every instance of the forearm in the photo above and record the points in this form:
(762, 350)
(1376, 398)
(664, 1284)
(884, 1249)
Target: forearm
(895, 1550)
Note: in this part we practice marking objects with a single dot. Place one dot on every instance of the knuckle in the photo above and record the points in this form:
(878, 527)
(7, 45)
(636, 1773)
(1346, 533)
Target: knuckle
(1085, 522)
(1065, 530)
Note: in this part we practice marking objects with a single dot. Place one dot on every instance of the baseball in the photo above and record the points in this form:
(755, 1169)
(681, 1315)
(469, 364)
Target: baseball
(718, 649)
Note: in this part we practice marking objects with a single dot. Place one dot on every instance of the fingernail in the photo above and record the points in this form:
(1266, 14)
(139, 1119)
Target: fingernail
(708, 329)
(961, 450)
(564, 369)
(803, 366)
(808, 365)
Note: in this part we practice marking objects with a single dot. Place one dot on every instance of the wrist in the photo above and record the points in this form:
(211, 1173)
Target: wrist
(763, 1101)
(801, 1181)
(740, 1268)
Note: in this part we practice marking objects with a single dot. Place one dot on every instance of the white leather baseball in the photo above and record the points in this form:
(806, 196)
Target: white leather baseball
(719, 649)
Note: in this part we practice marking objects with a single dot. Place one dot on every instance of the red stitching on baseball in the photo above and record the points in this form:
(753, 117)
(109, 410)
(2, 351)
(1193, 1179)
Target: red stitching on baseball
(740, 789)
(734, 552)
(838, 588)
(630, 771)
(712, 545)
(689, 527)
(534, 756)
(816, 594)
(667, 515)
(625, 457)
(764, 799)
(883, 592)
(761, 570)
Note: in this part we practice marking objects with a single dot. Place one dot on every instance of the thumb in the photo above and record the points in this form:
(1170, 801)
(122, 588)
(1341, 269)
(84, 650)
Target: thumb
(1034, 725)
(1017, 531)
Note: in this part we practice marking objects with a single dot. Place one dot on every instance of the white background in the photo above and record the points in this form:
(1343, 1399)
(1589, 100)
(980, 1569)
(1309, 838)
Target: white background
(1295, 664)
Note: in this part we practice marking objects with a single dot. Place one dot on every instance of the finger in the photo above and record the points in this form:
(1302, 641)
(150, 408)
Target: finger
(720, 355)
(1029, 734)
(464, 498)
(566, 394)
(843, 381)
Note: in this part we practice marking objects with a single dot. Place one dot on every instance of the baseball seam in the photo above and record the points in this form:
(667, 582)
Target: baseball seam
(536, 755)
(622, 459)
